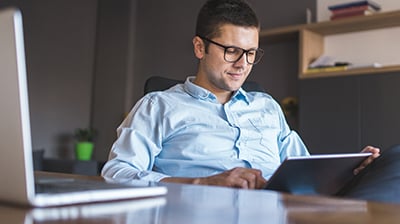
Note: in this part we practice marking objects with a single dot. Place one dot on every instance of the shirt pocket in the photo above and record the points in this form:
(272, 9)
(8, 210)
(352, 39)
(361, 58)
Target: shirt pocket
(266, 130)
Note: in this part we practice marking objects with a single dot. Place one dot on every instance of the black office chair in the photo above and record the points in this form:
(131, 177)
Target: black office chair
(160, 83)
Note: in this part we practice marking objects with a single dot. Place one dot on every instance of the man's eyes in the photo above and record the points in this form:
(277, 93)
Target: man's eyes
(233, 50)
(239, 51)
(253, 52)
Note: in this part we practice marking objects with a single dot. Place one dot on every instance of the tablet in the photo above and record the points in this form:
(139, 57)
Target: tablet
(316, 174)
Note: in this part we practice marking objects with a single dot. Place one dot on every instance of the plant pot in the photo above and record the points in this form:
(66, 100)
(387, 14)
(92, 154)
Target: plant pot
(84, 150)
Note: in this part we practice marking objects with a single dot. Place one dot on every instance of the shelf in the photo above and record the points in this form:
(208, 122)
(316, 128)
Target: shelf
(280, 34)
(311, 39)
(355, 24)
(363, 71)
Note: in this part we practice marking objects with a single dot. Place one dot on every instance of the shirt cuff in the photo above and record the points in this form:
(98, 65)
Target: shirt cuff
(150, 176)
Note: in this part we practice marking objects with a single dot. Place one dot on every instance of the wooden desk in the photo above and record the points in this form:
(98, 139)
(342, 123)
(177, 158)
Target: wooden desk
(202, 204)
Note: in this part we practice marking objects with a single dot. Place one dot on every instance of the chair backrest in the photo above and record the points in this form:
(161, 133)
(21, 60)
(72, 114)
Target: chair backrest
(159, 83)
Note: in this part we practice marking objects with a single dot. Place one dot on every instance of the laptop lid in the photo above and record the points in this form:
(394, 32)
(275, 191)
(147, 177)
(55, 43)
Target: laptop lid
(315, 174)
(16, 173)
(15, 139)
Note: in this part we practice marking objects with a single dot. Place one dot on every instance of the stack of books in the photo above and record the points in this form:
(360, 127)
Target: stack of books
(356, 8)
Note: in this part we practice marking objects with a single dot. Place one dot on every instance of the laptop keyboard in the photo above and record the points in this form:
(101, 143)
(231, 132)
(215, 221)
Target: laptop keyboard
(64, 185)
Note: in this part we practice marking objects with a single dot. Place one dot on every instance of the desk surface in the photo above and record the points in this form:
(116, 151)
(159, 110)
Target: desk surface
(202, 204)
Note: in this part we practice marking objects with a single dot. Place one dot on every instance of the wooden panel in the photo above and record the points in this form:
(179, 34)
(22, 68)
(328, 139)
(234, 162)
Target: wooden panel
(363, 71)
(358, 23)
(282, 34)
(311, 47)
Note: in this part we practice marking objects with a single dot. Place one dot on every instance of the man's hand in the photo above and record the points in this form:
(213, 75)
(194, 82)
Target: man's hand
(375, 154)
(237, 177)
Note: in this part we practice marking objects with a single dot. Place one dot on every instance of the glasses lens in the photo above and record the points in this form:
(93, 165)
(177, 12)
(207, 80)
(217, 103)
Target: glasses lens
(254, 56)
(233, 54)
(251, 56)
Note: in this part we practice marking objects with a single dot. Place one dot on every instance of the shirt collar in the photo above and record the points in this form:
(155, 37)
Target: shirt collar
(201, 93)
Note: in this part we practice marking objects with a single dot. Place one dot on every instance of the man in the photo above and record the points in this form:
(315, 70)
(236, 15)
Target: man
(208, 130)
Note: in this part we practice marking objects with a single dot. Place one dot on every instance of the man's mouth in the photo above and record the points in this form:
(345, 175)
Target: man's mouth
(235, 75)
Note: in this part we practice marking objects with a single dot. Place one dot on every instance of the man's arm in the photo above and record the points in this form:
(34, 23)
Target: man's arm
(122, 171)
(238, 177)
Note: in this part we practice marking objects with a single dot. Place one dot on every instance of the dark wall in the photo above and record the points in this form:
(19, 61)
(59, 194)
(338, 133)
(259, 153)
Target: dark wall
(345, 114)
(113, 70)
(59, 44)
(164, 40)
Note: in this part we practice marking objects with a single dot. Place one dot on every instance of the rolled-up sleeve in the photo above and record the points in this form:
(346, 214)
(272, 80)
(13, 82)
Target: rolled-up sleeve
(290, 143)
(133, 153)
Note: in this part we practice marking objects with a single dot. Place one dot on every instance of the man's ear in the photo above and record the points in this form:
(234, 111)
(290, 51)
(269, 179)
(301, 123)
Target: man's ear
(198, 47)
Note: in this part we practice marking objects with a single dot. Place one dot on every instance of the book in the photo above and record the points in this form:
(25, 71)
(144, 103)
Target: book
(350, 14)
(360, 66)
(326, 69)
(353, 9)
(370, 3)
(323, 61)
(344, 67)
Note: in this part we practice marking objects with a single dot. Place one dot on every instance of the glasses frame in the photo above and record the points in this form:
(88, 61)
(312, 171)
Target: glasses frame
(257, 50)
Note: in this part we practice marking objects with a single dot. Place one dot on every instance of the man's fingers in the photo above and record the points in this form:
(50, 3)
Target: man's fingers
(248, 178)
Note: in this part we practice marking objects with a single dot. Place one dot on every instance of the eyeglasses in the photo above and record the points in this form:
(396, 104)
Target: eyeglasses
(234, 54)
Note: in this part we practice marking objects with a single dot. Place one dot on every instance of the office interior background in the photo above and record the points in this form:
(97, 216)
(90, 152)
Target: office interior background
(87, 63)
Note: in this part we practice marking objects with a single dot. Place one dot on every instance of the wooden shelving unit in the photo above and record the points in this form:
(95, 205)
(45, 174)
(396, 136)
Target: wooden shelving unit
(311, 39)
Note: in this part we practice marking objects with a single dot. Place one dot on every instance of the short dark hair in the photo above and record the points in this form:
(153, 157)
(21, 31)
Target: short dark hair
(216, 13)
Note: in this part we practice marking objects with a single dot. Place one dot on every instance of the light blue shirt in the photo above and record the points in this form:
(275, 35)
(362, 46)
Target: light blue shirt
(185, 132)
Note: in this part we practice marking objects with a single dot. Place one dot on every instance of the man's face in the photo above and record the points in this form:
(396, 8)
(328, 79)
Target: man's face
(215, 73)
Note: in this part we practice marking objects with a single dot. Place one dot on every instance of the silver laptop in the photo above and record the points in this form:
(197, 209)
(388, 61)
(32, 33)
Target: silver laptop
(19, 184)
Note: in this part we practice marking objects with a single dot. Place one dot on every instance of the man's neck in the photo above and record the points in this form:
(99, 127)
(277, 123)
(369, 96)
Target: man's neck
(223, 96)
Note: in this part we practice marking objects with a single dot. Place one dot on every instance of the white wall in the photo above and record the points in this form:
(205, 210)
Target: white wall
(380, 46)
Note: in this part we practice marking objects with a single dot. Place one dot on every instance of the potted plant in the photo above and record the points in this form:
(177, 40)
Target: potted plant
(84, 143)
